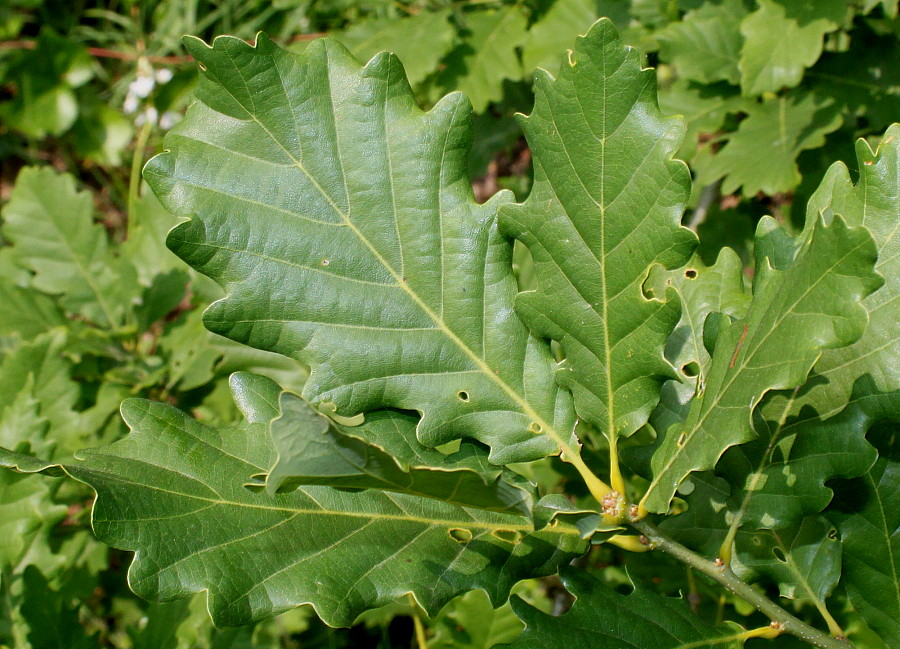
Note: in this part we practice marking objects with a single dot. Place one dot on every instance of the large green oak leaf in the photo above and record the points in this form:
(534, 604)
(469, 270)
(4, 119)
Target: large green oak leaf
(341, 222)
(168, 492)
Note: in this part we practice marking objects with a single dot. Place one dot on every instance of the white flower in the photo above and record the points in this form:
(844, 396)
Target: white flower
(141, 87)
(169, 119)
(163, 76)
(148, 116)
(130, 105)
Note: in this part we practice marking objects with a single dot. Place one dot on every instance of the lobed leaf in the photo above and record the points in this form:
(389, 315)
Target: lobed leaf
(601, 618)
(606, 205)
(811, 305)
(767, 64)
(167, 492)
(340, 220)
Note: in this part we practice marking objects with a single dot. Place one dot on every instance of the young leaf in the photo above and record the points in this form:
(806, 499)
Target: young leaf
(869, 524)
(705, 45)
(761, 156)
(259, 555)
(606, 205)
(383, 454)
(357, 247)
(811, 305)
(601, 618)
(782, 37)
(51, 227)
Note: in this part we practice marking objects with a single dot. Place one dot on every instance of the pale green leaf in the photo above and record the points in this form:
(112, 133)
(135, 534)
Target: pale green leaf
(782, 38)
(471, 622)
(488, 57)
(383, 454)
(706, 43)
(420, 41)
(549, 38)
(601, 618)
(27, 514)
(26, 312)
(347, 237)
(761, 156)
(869, 524)
(795, 314)
(37, 372)
(168, 492)
(606, 205)
(51, 227)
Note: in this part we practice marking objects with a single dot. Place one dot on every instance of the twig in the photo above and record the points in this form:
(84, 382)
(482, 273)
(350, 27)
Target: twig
(723, 575)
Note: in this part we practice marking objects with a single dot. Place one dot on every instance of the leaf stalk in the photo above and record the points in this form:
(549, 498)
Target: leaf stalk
(782, 620)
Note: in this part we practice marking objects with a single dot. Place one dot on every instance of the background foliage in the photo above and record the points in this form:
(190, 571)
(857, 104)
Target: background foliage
(96, 308)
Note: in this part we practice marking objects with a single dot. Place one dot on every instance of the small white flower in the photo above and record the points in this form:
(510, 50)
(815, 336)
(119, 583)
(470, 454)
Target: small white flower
(169, 119)
(131, 104)
(148, 116)
(163, 76)
(141, 87)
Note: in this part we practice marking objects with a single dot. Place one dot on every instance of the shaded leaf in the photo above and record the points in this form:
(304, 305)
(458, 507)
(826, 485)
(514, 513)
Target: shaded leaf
(383, 454)
(603, 619)
(795, 313)
(606, 205)
(52, 617)
(870, 536)
(488, 56)
(358, 248)
(804, 560)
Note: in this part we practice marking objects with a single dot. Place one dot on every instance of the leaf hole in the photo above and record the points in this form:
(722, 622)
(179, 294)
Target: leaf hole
(833, 534)
(507, 536)
(460, 534)
(779, 554)
(326, 262)
(202, 67)
(691, 369)
(535, 428)
(463, 395)
(690, 273)
(681, 440)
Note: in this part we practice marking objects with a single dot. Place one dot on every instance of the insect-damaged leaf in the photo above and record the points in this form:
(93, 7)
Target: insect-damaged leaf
(168, 492)
(601, 618)
(795, 313)
(341, 222)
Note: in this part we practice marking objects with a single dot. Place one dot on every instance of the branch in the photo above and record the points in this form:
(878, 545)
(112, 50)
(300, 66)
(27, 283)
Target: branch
(724, 576)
